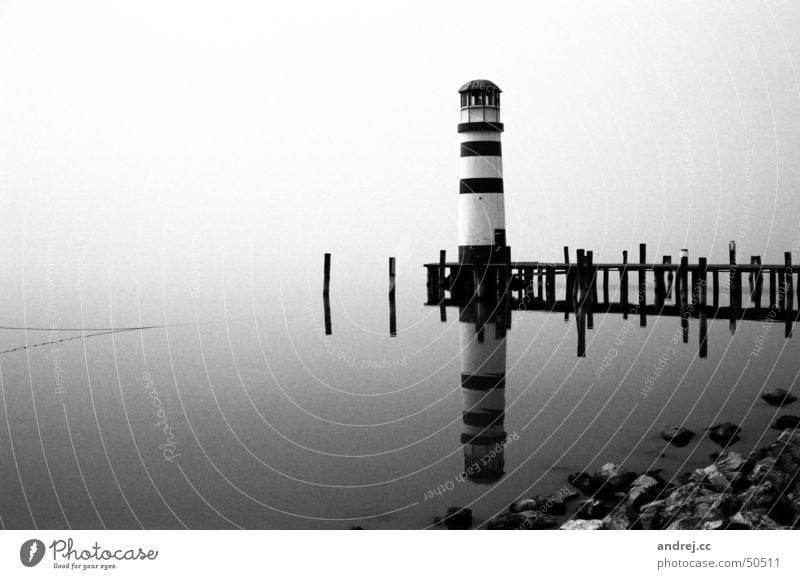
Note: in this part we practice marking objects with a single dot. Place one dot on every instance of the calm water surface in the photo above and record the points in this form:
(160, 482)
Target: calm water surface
(251, 416)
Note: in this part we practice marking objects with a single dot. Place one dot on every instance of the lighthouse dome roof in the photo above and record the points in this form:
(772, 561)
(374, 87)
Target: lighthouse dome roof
(480, 84)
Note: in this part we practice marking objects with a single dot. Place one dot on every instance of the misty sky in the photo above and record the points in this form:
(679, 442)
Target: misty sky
(281, 130)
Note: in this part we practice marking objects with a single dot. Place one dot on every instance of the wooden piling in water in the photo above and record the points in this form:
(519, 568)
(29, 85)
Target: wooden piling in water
(326, 303)
(568, 284)
(667, 259)
(772, 282)
(660, 288)
(642, 286)
(682, 286)
(442, 268)
(623, 284)
(539, 283)
(757, 283)
(735, 290)
(550, 286)
(605, 286)
(391, 277)
(326, 275)
(715, 295)
(591, 296)
(702, 287)
(788, 300)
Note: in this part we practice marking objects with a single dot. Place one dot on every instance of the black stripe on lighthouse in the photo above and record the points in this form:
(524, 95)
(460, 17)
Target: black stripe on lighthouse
(481, 185)
(477, 382)
(481, 149)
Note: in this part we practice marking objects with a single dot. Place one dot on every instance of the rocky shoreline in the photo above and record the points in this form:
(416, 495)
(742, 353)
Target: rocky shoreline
(760, 491)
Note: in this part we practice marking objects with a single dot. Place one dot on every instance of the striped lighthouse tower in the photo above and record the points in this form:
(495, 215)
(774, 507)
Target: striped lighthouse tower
(483, 379)
(481, 210)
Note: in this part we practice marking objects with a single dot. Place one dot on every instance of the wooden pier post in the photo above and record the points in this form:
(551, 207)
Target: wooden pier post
(735, 286)
(642, 286)
(667, 260)
(539, 284)
(442, 267)
(772, 287)
(758, 282)
(701, 292)
(593, 278)
(682, 285)
(392, 305)
(568, 284)
(589, 273)
(623, 284)
(715, 295)
(684, 292)
(326, 303)
(605, 286)
(660, 288)
(391, 277)
(326, 276)
(550, 286)
(788, 289)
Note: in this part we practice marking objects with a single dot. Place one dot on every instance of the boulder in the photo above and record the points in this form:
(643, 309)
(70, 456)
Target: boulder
(644, 489)
(595, 508)
(725, 433)
(677, 435)
(458, 518)
(584, 482)
(614, 478)
(769, 469)
(778, 397)
(760, 497)
(620, 519)
(787, 422)
(650, 515)
(712, 477)
(521, 505)
(582, 525)
(551, 505)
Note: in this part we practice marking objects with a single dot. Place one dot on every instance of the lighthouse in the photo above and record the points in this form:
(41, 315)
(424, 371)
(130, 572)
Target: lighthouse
(482, 333)
(481, 210)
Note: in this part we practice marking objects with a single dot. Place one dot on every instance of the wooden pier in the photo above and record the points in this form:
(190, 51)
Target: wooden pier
(679, 288)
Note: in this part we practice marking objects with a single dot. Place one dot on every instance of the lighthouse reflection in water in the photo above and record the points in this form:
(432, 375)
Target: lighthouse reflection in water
(482, 333)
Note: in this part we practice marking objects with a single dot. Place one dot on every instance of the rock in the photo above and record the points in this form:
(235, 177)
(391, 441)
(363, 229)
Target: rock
(729, 463)
(778, 397)
(595, 508)
(677, 435)
(650, 515)
(620, 519)
(752, 520)
(527, 520)
(584, 482)
(760, 497)
(458, 518)
(767, 469)
(521, 505)
(551, 505)
(582, 525)
(614, 478)
(725, 433)
(787, 422)
(712, 477)
(643, 490)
